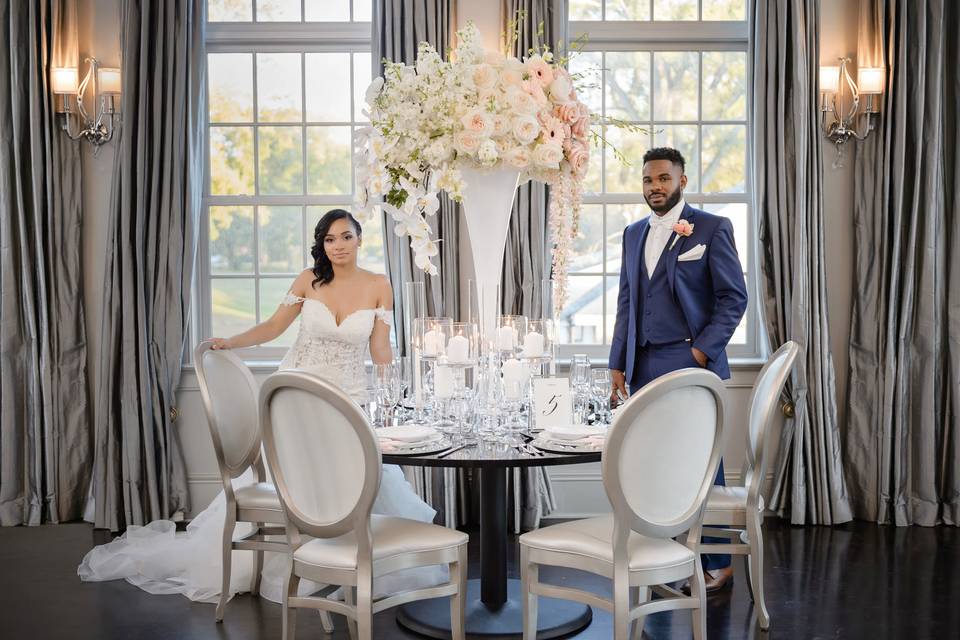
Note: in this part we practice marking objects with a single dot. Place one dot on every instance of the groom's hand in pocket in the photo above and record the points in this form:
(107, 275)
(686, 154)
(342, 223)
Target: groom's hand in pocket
(699, 356)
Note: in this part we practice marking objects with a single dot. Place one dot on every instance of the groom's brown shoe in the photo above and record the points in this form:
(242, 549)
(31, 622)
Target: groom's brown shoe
(715, 581)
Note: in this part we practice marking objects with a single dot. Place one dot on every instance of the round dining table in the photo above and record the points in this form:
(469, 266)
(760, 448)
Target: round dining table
(494, 604)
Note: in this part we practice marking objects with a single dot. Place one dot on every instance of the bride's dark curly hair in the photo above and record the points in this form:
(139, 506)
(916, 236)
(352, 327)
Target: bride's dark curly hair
(322, 267)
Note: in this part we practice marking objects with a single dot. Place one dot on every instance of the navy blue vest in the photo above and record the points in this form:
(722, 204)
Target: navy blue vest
(661, 319)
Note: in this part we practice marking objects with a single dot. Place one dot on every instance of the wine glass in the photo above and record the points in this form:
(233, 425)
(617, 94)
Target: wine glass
(387, 389)
(580, 385)
(600, 384)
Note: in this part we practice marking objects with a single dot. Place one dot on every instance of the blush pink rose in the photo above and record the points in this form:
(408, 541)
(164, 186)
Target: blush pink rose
(683, 228)
(581, 127)
(578, 155)
(569, 112)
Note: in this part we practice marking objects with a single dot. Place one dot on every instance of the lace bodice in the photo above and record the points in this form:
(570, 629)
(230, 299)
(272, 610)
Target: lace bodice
(334, 352)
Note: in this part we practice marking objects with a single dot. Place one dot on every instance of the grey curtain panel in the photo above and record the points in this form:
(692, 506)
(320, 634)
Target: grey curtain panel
(527, 258)
(808, 477)
(139, 470)
(903, 440)
(45, 443)
(399, 26)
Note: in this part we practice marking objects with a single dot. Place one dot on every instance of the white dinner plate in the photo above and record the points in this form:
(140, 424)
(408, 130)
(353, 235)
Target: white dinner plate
(564, 447)
(420, 449)
(408, 433)
(571, 432)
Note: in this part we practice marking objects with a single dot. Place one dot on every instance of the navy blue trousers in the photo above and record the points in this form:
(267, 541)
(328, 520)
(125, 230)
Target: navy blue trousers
(651, 363)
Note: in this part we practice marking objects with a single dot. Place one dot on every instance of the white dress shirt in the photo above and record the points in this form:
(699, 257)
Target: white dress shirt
(661, 230)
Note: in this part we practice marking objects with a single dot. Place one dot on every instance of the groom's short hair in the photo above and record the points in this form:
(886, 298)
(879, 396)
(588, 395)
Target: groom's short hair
(666, 153)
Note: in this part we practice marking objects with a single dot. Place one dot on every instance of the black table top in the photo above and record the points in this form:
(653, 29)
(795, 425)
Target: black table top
(490, 455)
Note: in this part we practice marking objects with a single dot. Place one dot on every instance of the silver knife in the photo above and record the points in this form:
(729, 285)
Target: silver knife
(455, 449)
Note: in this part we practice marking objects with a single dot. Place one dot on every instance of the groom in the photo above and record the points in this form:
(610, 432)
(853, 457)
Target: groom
(682, 295)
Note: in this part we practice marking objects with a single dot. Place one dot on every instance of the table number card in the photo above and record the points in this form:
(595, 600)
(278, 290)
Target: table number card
(552, 402)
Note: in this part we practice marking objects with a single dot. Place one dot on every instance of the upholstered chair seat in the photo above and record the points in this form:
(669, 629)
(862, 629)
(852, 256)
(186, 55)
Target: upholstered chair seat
(260, 496)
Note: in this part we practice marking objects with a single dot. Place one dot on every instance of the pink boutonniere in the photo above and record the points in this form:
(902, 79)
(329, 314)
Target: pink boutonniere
(682, 228)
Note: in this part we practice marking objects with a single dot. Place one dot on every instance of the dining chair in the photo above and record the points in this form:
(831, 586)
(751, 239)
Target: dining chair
(229, 392)
(659, 460)
(739, 510)
(326, 464)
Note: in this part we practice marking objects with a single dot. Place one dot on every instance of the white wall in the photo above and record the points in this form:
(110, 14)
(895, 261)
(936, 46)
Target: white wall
(578, 488)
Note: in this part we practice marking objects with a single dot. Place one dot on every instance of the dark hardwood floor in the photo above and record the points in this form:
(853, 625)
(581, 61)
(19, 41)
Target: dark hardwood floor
(853, 581)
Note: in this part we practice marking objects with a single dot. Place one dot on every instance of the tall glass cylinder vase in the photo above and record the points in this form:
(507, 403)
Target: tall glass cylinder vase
(414, 306)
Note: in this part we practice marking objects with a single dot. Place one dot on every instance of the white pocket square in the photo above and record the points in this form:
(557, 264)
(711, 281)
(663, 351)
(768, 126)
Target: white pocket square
(693, 254)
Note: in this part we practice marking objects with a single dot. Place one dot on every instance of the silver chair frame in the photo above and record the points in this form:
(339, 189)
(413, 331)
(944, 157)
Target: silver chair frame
(744, 528)
(631, 590)
(359, 605)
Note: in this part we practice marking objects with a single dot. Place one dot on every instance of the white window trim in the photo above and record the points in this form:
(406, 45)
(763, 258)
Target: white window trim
(686, 36)
(263, 37)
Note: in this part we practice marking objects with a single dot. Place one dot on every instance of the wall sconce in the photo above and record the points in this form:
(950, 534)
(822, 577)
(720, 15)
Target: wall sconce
(106, 86)
(839, 124)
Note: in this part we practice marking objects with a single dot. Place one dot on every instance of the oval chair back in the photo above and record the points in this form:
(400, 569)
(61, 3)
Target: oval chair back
(763, 406)
(322, 451)
(662, 452)
(229, 392)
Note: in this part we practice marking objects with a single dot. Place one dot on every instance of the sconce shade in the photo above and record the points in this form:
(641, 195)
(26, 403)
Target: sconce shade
(64, 80)
(108, 80)
(829, 79)
(870, 80)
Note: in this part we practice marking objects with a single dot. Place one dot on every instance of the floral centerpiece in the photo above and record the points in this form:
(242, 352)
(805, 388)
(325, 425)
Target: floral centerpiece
(477, 110)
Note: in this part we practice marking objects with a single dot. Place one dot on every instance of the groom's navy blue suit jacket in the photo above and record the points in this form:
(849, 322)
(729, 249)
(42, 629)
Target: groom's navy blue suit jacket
(710, 291)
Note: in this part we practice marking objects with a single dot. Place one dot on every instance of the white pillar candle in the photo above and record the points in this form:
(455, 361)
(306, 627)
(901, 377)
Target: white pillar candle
(533, 345)
(432, 339)
(506, 338)
(458, 349)
(442, 381)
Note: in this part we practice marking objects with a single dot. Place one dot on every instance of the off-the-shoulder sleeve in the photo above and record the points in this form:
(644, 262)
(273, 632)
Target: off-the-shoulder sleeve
(291, 299)
(385, 315)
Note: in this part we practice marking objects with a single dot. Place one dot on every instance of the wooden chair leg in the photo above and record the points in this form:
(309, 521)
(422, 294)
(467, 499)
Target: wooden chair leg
(350, 599)
(698, 590)
(639, 596)
(229, 523)
(458, 576)
(755, 565)
(289, 614)
(621, 603)
(529, 577)
(365, 610)
(257, 566)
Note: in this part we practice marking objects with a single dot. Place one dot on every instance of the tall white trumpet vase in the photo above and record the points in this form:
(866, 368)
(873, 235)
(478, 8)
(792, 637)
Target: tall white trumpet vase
(487, 204)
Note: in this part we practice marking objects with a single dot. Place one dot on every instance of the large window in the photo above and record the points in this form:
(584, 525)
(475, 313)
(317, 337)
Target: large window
(679, 69)
(285, 83)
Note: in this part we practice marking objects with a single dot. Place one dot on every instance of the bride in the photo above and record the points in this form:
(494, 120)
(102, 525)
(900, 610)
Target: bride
(344, 310)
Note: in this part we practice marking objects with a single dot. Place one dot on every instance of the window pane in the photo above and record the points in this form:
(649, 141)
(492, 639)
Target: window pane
(592, 181)
(612, 293)
(279, 86)
(316, 212)
(281, 239)
(272, 292)
(683, 138)
(740, 333)
(231, 87)
(361, 80)
(628, 9)
(585, 69)
(625, 175)
(328, 10)
(328, 160)
(278, 10)
(737, 212)
(585, 9)
(231, 160)
(231, 240)
(724, 158)
(586, 253)
(371, 250)
(724, 10)
(675, 85)
(362, 10)
(628, 85)
(618, 217)
(581, 320)
(674, 9)
(328, 87)
(281, 160)
(229, 11)
(724, 85)
(232, 306)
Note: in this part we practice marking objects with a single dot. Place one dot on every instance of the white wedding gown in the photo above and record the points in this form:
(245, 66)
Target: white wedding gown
(159, 560)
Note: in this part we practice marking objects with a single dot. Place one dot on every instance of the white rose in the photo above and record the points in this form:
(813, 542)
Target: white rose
(484, 76)
(477, 121)
(560, 88)
(518, 157)
(525, 129)
(467, 142)
(488, 152)
(548, 155)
